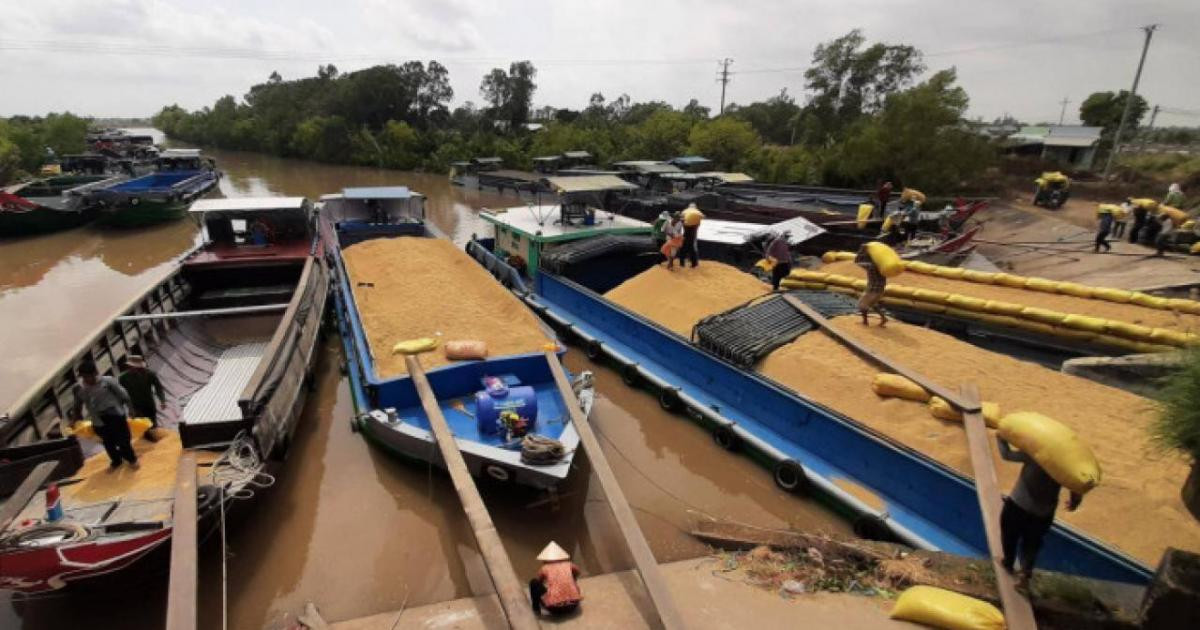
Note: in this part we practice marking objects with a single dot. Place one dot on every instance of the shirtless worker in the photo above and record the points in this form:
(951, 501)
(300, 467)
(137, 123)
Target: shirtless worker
(1028, 512)
(876, 283)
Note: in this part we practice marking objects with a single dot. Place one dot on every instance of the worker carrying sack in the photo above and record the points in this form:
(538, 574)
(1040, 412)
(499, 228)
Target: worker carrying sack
(896, 386)
(1055, 447)
(886, 260)
(939, 608)
(466, 350)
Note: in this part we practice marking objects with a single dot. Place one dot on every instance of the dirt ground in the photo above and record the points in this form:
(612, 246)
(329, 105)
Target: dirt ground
(1136, 507)
(412, 287)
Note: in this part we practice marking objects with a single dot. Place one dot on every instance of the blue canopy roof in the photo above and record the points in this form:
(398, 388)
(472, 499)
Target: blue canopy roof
(377, 192)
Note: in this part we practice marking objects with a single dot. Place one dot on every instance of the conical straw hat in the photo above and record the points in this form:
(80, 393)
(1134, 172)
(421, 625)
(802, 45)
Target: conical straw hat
(553, 553)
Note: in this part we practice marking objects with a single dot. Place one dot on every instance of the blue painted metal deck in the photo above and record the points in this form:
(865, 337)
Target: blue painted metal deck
(924, 503)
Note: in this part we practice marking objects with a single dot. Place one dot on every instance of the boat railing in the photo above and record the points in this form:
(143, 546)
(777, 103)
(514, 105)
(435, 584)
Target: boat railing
(502, 271)
(36, 413)
(275, 389)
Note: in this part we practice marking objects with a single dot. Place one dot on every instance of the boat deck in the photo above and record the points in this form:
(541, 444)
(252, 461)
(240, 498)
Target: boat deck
(543, 222)
(217, 400)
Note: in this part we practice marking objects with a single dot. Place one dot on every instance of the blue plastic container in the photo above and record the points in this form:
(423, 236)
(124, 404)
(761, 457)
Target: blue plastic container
(492, 401)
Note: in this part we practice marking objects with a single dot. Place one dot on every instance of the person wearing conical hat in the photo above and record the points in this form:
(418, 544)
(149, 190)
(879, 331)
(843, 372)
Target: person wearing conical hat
(555, 588)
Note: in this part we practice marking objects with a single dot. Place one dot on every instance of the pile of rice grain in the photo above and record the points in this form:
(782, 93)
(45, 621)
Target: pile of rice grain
(412, 287)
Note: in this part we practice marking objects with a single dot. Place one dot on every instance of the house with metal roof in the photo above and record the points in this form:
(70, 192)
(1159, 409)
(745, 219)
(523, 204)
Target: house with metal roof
(691, 163)
(1071, 145)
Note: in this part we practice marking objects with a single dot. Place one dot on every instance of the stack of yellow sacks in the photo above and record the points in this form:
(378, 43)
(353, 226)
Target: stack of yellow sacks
(1076, 327)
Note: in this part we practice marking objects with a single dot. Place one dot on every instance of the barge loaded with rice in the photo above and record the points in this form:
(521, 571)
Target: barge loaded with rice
(715, 343)
(231, 333)
(398, 280)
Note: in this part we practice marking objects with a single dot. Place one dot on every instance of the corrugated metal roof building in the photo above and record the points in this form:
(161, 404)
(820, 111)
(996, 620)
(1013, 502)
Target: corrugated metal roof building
(1073, 145)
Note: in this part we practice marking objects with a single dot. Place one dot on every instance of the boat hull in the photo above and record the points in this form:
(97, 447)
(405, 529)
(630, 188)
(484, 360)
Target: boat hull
(142, 213)
(53, 568)
(42, 220)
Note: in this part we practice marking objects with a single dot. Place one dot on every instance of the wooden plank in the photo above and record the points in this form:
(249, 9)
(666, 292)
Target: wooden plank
(647, 566)
(181, 594)
(24, 494)
(1017, 611)
(513, 598)
(949, 395)
(236, 310)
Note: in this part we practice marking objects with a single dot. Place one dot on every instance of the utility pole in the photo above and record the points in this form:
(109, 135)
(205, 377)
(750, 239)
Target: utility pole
(1063, 114)
(723, 79)
(1129, 100)
(1146, 131)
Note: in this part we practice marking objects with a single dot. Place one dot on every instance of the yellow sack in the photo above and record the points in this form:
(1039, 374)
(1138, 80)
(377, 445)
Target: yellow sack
(899, 290)
(1009, 280)
(996, 320)
(1147, 300)
(1108, 208)
(966, 302)
(1041, 328)
(808, 275)
(1136, 332)
(1172, 337)
(1138, 347)
(929, 295)
(912, 194)
(940, 608)
(1074, 334)
(920, 266)
(1195, 248)
(1184, 305)
(1002, 308)
(1055, 447)
(1149, 205)
(1042, 315)
(1188, 225)
(1055, 177)
(1075, 289)
(885, 258)
(765, 264)
(982, 277)
(1085, 322)
(415, 346)
(139, 426)
(859, 284)
(84, 429)
(942, 410)
(1041, 284)
(896, 386)
(888, 222)
(692, 216)
(864, 214)
(1120, 296)
(1177, 216)
(839, 280)
(829, 257)
(1040, 182)
(953, 273)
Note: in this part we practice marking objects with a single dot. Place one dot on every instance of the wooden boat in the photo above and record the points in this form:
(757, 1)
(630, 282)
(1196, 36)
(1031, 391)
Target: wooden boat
(182, 176)
(808, 448)
(231, 333)
(50, 204)
(389, 413)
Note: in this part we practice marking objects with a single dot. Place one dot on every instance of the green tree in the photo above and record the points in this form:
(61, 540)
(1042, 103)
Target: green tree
(696, 111)
(10, 157)
(510, 95)
(725, 140)
(774, 119)
(848, 81)
(662, 136)
(1104, 109)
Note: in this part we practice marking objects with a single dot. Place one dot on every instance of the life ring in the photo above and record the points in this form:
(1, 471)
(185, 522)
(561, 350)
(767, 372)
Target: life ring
(789, 475)
(668, 398)
(593, 349)
(133, 201)
(499, 473)
(725, 438)
(630, 374)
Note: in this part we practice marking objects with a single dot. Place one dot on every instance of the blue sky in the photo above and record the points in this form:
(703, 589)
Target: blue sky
(130, 57)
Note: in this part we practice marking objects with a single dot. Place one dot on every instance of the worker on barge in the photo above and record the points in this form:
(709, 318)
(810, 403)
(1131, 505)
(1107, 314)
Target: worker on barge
(876, 284)
(555, 588)
(691, 230)
(780, 251)
(143, 387)
(1028, 513)
(107, 403)
(673, 233)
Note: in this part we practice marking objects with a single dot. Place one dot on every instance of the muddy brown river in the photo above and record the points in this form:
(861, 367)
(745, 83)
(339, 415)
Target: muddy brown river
(347, 526)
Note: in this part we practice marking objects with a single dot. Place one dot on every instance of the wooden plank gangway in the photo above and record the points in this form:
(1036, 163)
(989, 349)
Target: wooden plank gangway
(1018, 612)
(513, 598)
(181, 592)
(647, 566)
(24, 494)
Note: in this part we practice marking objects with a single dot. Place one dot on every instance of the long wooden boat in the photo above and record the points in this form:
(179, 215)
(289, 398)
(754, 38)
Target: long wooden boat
(231, 333)
(50, 204)
(388, 411)
(182, 177)
(807, 447)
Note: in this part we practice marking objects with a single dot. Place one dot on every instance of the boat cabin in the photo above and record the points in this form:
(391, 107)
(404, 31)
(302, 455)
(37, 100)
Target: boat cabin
(547, 164)
(361, 213)
(484, 164)
(691, 163)
(577, 159)
(183, 160)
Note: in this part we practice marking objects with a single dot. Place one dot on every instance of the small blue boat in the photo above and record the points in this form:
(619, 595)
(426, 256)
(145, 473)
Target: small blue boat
(471, 394)
(182, 177)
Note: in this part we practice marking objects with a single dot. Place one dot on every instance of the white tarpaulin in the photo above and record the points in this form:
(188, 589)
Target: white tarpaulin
(737, 232)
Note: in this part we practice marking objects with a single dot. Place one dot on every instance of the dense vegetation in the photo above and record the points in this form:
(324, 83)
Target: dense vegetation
(23, 141)
(866, 118)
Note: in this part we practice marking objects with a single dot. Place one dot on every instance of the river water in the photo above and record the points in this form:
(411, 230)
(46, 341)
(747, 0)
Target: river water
(346, 526)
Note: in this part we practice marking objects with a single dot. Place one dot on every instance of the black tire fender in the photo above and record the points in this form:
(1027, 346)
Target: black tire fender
(668, 398)
(789, 475)
(498, 473)
(629, 374)
(725, 438)
(594, 349)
